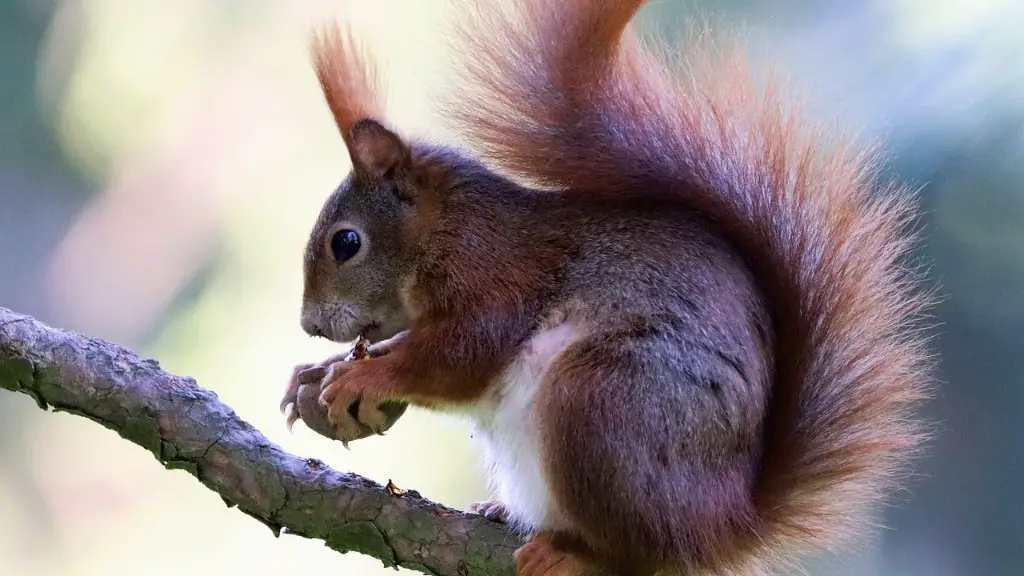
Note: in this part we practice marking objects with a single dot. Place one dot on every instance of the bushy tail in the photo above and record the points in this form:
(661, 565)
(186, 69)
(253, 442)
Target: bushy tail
(562, 95)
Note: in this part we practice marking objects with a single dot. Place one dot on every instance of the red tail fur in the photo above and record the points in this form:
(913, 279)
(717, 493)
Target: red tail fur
(561, 94)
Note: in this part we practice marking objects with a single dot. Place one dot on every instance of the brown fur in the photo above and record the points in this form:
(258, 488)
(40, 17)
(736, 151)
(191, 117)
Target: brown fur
(739, 386)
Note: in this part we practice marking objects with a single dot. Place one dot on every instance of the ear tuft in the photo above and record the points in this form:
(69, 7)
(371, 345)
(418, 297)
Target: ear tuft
(376, 151)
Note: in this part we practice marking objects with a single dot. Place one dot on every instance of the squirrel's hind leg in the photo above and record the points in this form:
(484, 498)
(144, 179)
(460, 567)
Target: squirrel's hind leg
(648, 456)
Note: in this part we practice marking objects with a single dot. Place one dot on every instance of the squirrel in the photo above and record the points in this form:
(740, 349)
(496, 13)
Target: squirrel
(680, 317)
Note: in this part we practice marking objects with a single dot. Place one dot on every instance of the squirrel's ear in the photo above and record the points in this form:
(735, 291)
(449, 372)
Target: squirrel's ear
(376, 151)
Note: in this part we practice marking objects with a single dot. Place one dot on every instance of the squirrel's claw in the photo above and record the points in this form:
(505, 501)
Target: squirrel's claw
(291, 413)
(291, 392)
(302, 375)
(494, 511)
(352, 406)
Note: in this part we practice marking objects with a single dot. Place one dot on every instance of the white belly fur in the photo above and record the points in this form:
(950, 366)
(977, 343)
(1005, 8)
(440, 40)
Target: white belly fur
(506, 428)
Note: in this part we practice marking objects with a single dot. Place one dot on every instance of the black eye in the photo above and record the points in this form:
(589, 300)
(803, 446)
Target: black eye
(345, 244)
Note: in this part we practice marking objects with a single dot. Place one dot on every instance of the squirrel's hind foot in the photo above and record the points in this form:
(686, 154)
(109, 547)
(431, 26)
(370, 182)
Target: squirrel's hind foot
(490, 509)
(541, 556)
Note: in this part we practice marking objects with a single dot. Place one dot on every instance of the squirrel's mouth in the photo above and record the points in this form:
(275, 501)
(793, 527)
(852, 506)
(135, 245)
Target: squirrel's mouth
(342, 332)
(370, 332)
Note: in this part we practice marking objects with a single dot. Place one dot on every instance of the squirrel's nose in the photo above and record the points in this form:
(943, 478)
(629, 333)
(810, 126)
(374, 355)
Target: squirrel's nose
(310, 324)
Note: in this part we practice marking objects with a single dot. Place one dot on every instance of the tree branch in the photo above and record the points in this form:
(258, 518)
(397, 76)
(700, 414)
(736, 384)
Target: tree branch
(186, 428)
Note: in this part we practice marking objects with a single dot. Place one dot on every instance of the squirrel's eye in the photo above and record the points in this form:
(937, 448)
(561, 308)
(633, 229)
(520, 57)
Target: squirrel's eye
(345, 244)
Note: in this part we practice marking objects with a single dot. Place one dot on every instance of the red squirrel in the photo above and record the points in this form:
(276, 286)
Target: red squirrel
(688, 346)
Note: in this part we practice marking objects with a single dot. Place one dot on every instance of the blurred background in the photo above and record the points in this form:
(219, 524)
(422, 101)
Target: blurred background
(162, 162)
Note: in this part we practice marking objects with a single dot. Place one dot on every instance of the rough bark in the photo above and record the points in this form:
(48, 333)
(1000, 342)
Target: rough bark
(186, 428)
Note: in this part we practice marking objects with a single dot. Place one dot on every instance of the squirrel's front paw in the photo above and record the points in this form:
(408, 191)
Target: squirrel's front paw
(302, 374)
(352, 394)
(290, 401)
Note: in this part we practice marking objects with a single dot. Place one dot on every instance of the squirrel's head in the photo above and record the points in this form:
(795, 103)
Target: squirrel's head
(359, 253)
